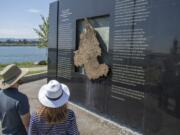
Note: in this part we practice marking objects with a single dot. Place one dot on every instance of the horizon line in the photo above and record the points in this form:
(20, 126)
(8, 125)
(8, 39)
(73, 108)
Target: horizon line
(16, 38)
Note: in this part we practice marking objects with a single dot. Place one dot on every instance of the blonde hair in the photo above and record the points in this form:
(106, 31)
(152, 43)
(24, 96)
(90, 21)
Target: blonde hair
(53, 115)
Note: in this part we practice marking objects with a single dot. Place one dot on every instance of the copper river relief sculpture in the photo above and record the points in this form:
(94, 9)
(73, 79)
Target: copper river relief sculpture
(88, 52)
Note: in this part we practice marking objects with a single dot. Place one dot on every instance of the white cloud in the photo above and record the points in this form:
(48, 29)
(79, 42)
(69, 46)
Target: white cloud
(33, 11)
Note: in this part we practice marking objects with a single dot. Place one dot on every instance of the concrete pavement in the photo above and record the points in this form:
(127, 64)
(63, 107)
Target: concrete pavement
(38, 68)
(88, 123)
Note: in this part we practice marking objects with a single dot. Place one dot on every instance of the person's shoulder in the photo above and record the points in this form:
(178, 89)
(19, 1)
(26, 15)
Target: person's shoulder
(1, 92)
(22, 96)
(71, 114)
(70, 111)
(35, 117)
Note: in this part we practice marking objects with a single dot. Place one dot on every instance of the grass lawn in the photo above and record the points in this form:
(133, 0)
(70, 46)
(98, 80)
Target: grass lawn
(22, 65)
(25, 65)
(33, 72)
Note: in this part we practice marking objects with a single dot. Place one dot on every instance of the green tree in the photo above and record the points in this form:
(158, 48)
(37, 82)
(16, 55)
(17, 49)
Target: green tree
(42, 32)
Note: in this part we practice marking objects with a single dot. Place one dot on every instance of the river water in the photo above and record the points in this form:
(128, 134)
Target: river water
(11, 54)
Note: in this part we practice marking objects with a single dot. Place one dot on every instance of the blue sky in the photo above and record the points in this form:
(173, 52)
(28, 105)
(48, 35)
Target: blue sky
(19, 17)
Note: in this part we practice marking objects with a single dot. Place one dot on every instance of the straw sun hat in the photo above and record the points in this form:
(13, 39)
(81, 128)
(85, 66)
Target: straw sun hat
(54, 94)
(10, 75)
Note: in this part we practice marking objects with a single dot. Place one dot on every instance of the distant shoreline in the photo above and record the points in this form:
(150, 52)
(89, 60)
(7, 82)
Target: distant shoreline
(17, 45)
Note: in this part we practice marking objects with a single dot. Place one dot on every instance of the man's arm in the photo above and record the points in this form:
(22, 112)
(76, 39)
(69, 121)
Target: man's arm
(24, 110)
(25, 120)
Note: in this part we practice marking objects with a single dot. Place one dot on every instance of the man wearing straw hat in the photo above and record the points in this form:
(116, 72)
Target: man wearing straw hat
(14, 106)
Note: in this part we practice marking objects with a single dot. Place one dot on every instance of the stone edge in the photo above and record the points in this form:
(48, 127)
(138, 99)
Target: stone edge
(34, 77)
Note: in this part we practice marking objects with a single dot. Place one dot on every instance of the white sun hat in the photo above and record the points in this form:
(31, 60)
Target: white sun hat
(54, 94)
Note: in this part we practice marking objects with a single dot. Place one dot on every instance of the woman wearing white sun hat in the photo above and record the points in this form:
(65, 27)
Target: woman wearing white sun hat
(53, 117)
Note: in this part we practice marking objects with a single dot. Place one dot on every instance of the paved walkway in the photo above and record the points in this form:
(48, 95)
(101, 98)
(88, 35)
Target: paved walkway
(44, 68)
(88, 123)
(36, 68)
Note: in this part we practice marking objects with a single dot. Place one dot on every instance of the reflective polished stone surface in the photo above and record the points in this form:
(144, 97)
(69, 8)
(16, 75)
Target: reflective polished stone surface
(142, 89)
(162, 94)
